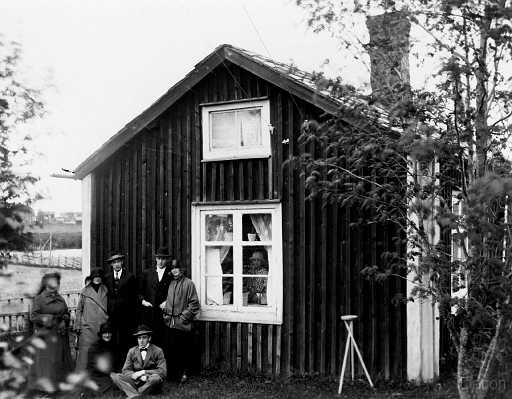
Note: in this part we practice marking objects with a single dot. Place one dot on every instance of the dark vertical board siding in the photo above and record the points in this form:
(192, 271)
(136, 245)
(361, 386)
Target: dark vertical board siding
(142, 198)
(300, 309)
(144, 225)
(94, 221)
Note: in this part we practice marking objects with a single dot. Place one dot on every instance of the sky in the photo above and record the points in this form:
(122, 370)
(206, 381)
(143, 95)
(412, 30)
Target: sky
(102, 62)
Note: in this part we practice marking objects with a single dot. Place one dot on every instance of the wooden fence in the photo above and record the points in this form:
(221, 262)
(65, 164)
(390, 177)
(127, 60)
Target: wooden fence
(64, 262)
(18, 322)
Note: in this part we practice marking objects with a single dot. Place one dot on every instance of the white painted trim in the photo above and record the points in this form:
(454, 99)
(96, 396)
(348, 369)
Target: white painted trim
(422, 315)
(272, 314)
(238, 152)
(86, 224)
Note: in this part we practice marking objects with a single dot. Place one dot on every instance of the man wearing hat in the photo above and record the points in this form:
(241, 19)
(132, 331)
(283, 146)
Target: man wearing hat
(122, 301)
(153, 284)
(144, 369)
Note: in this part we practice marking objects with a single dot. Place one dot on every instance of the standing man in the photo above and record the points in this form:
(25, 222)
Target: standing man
(144, 369)
(153, 285)
(180, 309)
(122, 301)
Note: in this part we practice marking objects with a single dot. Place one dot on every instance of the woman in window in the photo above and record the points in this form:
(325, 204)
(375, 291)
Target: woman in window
(50, 316)
(257, 286)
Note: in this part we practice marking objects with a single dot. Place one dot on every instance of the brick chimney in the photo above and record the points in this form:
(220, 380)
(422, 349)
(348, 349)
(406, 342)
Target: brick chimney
(389, 56)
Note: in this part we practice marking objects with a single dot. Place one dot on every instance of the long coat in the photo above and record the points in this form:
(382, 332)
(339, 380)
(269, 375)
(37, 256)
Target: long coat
(182, 304)
(153, 364)
(91, 313)
(155, 292)
(122, 303)
(53, 363)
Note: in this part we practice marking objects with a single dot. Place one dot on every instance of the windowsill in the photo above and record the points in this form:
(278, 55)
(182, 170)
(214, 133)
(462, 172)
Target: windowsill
(234, 203)
(221, 158)
(260, 314)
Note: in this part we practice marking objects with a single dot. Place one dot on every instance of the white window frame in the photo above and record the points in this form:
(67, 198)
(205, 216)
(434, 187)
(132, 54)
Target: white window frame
(238, 152)
(272, 313)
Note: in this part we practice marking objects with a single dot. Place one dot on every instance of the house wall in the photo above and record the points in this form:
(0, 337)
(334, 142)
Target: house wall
(141, 199)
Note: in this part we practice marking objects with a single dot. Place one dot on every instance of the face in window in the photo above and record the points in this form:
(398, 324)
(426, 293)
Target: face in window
(258, 263)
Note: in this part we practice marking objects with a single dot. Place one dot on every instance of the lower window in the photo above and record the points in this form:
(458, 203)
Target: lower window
(237, 262)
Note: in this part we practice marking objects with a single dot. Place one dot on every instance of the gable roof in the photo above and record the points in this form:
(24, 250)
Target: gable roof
(299, 83)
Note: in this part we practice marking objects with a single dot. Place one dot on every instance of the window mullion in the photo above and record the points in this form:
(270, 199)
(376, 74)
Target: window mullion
(237, 259)
(202, 260)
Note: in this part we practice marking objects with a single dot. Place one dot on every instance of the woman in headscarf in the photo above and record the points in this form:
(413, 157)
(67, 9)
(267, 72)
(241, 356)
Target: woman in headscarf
(50, 316)
(91, 313)
(100, 362)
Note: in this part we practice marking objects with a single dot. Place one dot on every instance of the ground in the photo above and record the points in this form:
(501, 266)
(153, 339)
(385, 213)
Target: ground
(250, 387)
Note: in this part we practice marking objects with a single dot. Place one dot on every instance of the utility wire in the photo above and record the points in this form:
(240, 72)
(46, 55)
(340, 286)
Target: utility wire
(256, 29)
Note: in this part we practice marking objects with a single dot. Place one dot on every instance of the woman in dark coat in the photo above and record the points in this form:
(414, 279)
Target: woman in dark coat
(50, 317)
(100, 361)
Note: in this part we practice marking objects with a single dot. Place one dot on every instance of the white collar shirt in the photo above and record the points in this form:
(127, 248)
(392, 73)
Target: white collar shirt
(117, 275)
(160, 272)
(143, 352)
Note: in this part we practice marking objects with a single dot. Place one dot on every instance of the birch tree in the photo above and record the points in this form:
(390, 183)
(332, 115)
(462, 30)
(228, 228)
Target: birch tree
(442, 156)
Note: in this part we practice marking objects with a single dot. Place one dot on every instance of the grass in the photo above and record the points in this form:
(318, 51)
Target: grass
(216, 385)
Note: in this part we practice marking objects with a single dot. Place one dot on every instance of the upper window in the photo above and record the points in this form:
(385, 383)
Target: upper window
(236, 131)
(237, 262)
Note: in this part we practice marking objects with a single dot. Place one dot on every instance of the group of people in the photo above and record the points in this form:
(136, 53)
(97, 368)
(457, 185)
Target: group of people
(162, 301)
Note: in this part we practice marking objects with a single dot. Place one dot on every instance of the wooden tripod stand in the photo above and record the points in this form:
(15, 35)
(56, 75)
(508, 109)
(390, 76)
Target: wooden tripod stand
(351, 344)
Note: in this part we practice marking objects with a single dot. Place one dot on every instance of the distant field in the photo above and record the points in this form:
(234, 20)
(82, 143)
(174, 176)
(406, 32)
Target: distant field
(63, 235)
(56, 228)
(24, 280)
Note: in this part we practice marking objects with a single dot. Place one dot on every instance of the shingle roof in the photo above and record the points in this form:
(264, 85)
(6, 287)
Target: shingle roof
(311, 81)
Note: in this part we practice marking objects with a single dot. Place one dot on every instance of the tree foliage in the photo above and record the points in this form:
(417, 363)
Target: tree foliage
(19, 103)
(434, 165)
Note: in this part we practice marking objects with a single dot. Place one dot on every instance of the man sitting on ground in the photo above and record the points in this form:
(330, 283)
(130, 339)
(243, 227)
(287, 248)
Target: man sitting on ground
(144, 369)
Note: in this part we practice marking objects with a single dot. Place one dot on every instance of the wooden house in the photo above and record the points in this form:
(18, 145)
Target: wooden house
(203, 170)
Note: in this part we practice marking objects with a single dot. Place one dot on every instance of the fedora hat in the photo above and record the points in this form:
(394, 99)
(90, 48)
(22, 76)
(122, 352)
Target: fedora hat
(115, 257)
(143, 330)
(162, 252)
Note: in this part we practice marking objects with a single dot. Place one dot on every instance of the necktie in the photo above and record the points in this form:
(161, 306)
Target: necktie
(143, 353)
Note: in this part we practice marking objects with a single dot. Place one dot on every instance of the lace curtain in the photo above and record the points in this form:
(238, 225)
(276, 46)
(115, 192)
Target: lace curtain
(214, 258)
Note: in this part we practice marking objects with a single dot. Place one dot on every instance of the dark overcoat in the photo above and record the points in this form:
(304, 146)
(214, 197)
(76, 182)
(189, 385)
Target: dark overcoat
(155, 292)
(52, 363)
(122, 304)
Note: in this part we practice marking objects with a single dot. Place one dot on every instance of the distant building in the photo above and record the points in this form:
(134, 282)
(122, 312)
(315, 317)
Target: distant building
(50, 217)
